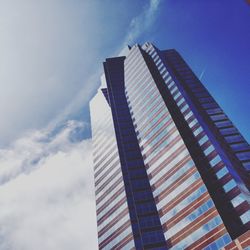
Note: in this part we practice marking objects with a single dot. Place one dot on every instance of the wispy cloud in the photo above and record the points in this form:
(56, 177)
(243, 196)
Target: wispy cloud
(202, 73)
(142, 22)
(46, 192)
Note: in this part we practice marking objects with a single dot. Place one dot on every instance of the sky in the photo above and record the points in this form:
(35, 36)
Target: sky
(50, 64)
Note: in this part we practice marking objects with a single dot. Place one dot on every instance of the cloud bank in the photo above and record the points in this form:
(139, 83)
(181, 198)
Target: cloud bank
(50, 51)
(46, 192)
(48, 71)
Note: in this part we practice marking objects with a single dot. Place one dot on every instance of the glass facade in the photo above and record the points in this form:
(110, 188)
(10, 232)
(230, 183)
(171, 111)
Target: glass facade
(113, 221)
(171, 170)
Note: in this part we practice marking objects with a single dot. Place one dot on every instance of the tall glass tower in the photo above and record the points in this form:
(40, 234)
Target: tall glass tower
(171, 170)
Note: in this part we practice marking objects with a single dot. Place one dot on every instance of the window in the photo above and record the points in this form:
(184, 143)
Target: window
(233, 138)
(218, 117)
(240, 146)
(228, 131)
(215, 160)
(229, 186)
(245, 217)
(236, 201)
(209, 150)
(222, 172)
(223, 124)
(243, 156)
(203, 140)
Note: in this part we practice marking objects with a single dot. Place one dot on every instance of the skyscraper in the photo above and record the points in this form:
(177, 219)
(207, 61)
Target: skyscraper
(171, 170)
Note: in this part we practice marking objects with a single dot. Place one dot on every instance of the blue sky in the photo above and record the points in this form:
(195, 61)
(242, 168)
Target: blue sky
(213, 36)
(51, 60)
(214, 39)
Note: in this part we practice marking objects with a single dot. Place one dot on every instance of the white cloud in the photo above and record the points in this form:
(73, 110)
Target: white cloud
(51, 54)
(42, 63)
(49, 203)
(50, 51)
(142, 22)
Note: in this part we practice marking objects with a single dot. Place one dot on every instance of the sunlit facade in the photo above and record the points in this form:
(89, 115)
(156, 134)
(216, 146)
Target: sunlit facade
(171, 170)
